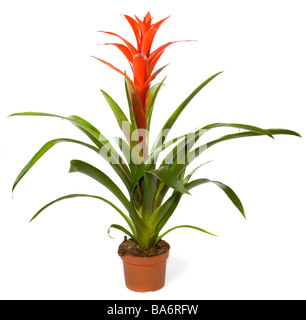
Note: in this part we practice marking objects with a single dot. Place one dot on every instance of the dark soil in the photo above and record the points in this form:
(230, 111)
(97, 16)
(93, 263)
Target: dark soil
(130, 248)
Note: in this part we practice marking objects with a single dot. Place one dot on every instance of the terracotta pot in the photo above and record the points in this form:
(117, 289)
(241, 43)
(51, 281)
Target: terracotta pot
(145, 273)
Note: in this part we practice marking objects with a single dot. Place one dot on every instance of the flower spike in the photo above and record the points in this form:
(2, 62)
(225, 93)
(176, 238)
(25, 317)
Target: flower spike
(142, 62)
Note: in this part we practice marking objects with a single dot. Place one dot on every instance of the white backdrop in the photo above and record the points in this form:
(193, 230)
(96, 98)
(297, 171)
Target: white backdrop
(45, 66)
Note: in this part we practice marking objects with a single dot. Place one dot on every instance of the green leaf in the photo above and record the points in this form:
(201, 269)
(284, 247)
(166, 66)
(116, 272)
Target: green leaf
(176, 156)
(250, 134)
(154, 90)
(168, 125)
(98, 175)
(196, 152)
(132, 117)
(179, 153)
(126, 218)
(163, 213)
(127, 152)
(117, 226)
(181, 156)
(136, 105)
(152, 96)
(149, 195)
(42, 151)
(140, 226)
(228, 191)
(138, 175)
(92, 132)
(122, 120)
(107, 151)
(284, 131)
(187, 178)
(30, 113)
(153, 156)
(239, 126)
(88, 129)
(186, 226)
(180, 167)
(150, 162)
(169, 178)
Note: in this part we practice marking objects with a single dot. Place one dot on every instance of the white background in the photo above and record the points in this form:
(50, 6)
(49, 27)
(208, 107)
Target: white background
(45, 66)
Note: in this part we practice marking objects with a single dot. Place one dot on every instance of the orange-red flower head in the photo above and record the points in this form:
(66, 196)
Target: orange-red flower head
(142, 62)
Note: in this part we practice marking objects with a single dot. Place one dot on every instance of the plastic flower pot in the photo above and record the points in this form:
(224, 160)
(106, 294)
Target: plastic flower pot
(145, 273)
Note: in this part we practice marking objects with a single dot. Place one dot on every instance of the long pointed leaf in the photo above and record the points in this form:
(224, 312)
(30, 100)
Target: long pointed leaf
(186, 159)
(152, 96)
(127, 152)
(205, 146)
(186, 226)
(227, 190)
(163, 213)
(168, 125)
(140, 226)
(121, 118)
(117, 226)
(188, 177)
(98, 175)
(154, 90)
(107, 151)
(179, 153)
(47, 146)
(150, 161)
(239, 126)
(169, 178)
(132, 117)
(149, 195)
(92, 132)
(126, 218)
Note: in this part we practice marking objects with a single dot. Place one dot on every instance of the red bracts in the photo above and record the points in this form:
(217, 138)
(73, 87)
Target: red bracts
(142, 62)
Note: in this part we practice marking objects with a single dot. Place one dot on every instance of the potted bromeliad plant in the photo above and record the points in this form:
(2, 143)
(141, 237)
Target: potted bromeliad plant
(150, 193)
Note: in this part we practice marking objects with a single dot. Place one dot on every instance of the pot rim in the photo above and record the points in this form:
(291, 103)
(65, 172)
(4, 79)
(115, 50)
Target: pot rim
(145, 260)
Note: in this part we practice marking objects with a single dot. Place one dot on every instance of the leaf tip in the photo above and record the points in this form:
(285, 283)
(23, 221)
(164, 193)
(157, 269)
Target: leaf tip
(13, 188)
(108, 232)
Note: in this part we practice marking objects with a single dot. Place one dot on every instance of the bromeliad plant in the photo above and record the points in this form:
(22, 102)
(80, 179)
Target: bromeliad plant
(147, 203)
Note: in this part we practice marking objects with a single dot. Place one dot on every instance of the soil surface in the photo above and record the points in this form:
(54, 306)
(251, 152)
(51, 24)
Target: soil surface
(130, 248)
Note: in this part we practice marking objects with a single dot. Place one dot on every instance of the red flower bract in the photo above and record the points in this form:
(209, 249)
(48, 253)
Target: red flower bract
(142, 63)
